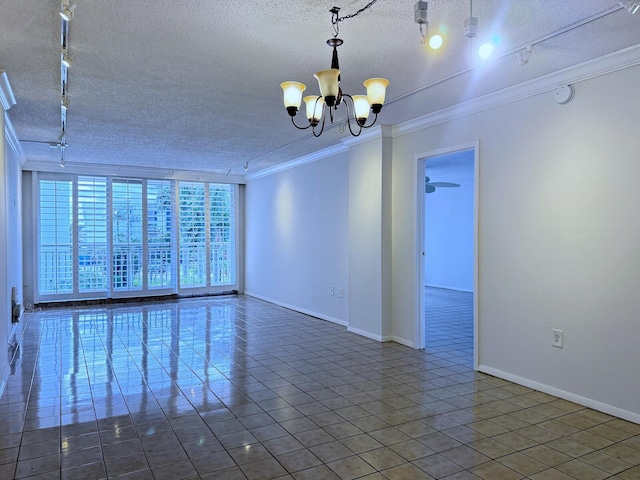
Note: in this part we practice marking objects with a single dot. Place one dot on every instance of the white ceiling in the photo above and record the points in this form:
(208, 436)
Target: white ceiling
(195, 85)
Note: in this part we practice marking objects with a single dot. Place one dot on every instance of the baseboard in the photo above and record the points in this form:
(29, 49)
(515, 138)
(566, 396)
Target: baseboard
(4, 378)
(372, 336)
(295, 308)
(572, 397)
(357, 331)
(402, 341)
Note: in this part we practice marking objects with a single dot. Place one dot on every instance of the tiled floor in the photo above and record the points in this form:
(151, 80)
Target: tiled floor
(449, 324)
(236, 388)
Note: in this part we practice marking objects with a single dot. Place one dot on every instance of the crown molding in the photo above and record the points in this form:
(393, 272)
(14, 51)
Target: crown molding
(12, 141)
(610, 63)
(344, 146)
(7, 100)
(320, 154)
(127, 171)
(378, 131)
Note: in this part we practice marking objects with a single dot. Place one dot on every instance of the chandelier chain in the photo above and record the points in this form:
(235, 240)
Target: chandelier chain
(335, 19)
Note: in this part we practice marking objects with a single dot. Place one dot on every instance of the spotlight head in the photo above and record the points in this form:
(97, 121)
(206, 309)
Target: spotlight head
(420, 12)
(64, 103)
(631, 6)
(66, 10)
(66, 60)
(470, 27)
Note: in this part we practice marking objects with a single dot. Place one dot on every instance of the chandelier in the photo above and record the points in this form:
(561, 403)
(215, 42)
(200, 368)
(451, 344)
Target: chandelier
(331, 95)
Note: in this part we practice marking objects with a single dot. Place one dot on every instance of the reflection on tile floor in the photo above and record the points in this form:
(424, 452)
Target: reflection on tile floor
(234, 388)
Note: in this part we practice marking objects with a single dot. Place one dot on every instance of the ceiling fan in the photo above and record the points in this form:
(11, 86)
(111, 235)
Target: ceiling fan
(430, 187)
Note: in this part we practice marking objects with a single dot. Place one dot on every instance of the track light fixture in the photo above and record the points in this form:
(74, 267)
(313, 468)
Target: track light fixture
(67, 9)
(66, 13)
(62, 147)
(246, 166)
(471, 23)
(331, 95)
(66, 60)
(631, 6)
(420, 17)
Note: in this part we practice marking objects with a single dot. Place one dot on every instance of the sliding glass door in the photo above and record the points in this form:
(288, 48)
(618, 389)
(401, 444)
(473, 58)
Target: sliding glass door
(104, 237)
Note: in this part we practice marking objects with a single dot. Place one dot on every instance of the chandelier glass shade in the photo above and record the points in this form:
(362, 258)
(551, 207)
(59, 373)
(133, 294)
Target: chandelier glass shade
(331, 96)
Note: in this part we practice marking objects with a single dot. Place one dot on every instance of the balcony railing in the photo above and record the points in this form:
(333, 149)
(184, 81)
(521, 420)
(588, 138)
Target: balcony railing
(123, 268)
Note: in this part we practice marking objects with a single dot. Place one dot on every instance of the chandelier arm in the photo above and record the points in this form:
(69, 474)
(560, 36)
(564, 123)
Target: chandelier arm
(351, 130)
(313, 130)
(298, 127)
(346, 105)
(349, 116)
(372, 123)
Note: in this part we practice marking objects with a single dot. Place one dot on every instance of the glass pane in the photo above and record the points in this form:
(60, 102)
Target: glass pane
(55, 237)
(93, 263)
(193, 272)
(126, 225)
(159, 228)
(222, 234)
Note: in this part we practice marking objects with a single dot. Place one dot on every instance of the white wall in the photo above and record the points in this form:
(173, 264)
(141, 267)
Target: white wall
(558, 239)
(5, 290)
(10, 243)
(449, 261)
(369, 231)
(557, 244)
(297, 238)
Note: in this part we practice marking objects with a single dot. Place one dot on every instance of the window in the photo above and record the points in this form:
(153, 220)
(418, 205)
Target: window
(126, 227)
(207, 208)
(93, 242)
(55, 237)
(110, 237)
(193, 239)
(222, 233)
(159, 234)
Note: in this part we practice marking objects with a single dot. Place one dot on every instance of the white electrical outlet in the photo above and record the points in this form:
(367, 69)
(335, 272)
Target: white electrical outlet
(557, 338)
(331, 290)
(340, 292)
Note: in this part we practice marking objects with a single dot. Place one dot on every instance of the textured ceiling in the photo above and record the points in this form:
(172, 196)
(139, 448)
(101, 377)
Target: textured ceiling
(195, 85)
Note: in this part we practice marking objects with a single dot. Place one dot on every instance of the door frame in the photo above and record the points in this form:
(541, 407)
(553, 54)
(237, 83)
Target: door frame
(421, 163)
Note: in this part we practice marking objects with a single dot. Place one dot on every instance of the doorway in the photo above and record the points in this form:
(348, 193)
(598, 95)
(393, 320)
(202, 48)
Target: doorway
(448, 229)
